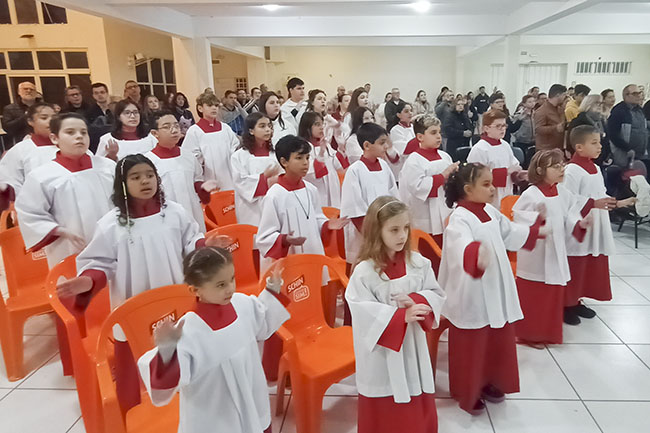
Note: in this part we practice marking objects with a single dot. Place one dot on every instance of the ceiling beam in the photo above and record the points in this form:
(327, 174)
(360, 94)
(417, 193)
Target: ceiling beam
(536, 14)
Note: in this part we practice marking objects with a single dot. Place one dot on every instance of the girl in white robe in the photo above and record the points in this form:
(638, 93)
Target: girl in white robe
(542, 273)
(210, 356)
(18, 161)
(353, 150)
(394, 299)
(400, 135)
(137, 246)
(589, 260)
(129, 135)
(421, 183)
(212, 142)
(495, 153)
(482, 300)
(254, 168)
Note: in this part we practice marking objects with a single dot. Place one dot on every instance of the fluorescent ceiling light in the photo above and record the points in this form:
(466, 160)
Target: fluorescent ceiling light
(420, 6)
(271, 7)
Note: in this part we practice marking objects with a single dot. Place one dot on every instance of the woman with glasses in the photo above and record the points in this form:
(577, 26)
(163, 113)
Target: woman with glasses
(129, 135)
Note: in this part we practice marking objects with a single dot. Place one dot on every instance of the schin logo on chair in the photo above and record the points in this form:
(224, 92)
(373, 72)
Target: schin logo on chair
(298, 289)
(229, 208)
(233, 247)
(39, 255)
(169, 317)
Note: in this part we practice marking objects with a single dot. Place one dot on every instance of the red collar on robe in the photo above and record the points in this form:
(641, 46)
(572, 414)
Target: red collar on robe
(261, 150)
(405, 125)
(39, 140)
(412, 146)
(215, 315)
(548, 190)
(372, 165)
(337, 115)
(491, 141)
(429, 154)
(584, 162)
(126, 135)
(74, 164)
(209, 127)
(396, 268)
(477, 209)
(166, 152)
(142, 208)
(290, 184)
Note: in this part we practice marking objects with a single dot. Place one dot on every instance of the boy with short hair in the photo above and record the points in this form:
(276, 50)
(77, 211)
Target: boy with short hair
(212, 142)
(365, 180)
(295, 105)
(588, 260)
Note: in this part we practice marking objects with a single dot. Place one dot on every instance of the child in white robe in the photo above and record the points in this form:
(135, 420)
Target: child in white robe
(495, 153)
(482, 300)
(589, 260)
(62, 200)
(130, 135)
(352, 150)
(269, 105)
(137, 246)
(421, 183)
(542, 273)
(212, 142)
(400, 135)
(324, 162)
(210, 356)
(254, 168)
(178, 169)
(22, 158)
(394, 299)
(364, 181)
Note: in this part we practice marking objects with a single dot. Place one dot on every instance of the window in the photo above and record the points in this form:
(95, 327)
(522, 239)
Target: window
(5, 16)
(53, 89)
(3, 63)
(21, 60)
(241, 84)
(49, 59)
(53, 14)
(5, 99)
(26, 12)
(603, 68)
(155, 77)
(76, 59)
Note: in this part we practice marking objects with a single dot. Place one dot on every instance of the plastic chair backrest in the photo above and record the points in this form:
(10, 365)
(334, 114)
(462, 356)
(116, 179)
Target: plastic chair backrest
(241, 248)
(462, 153)
(341, 174)
(507, 204)
(8, 218)
(303, 277)
(23, 269)
(222, 207)
(331, 212)
(417, 235)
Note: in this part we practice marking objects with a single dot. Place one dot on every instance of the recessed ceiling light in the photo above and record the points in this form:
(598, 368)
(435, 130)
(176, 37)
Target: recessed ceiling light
(271, 7)
(420, 6)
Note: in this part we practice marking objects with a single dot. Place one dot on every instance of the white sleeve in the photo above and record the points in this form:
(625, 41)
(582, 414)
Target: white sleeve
(100, 253)
(12, 168)
(476, 154)
(268, 315)
(191, 141)
(415, 181)
(525, 209)
(270, 226)
(244, 181)
(103, 142)
(514, 235)
(352, 203)
(33, 207)
(191, 232)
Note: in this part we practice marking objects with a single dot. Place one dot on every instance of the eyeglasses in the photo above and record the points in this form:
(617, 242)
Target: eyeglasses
(132, 86)
(503, 126)
(170, 127)
(634, 93)
(558, 165)
(134, 113)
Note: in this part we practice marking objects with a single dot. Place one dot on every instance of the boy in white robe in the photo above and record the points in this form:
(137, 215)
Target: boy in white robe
(588, 260)
(178, 169)
(421, 183)
(210, 356)
(212, 142)
(482, 300)
(494, 152)
(364, 181)
(296, 105)
(394, 299)
(22, 158)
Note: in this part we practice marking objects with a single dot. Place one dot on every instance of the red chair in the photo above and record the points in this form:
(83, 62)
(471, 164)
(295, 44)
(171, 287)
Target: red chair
(81, 329)
(241, 248)
(221, 209)
(26, 273)
(316, 355)
(135, 317)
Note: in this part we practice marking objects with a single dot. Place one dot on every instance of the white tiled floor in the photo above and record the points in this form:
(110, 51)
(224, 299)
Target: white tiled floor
(598, 381)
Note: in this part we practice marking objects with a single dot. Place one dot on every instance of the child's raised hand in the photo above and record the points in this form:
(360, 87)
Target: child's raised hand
(218, 241)
(274, 282)
(402, 300)
(451, 169)
(417, 313)
(210, 185)
(625, 203)
(337, 223)
(606, 203)
(483, 259)
(112, 148)
(167, 333)
(77, 241)
(74, 286)
(271, 171)
(295, 240)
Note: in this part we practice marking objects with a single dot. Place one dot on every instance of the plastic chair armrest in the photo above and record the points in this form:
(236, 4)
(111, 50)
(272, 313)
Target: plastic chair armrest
(113, 420)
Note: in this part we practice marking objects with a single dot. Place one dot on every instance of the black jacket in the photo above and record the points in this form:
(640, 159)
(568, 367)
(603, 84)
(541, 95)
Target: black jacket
(454, 125)
(14, 122)
(481, 103)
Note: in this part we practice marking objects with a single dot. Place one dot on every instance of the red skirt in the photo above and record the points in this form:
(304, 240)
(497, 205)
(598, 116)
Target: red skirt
(383, 415)
(480, 357)
(543, 307)
(428, 252)
(589, 279)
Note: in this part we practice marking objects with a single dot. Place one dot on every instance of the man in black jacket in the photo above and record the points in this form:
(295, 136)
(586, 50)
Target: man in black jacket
(481, 101)
(627, 127)
(390, 110)
(14, 116)
(99, 115)
(74, 101)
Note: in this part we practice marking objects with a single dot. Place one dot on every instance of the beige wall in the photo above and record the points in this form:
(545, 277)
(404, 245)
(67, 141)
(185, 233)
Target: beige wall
(230, 66)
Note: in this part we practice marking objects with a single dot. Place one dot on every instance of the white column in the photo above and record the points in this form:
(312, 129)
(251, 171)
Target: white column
(509, 86)
(192, 67)
(459, 86)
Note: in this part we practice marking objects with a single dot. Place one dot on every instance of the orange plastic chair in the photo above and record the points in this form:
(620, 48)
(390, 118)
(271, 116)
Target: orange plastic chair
(341, 174)
(316, 355)
(82, 330)
(417, 235)
(221, 209)
(241, 248)
(507, 203)
(26, 273)
(335, 249)
(208, 218)
(136, 317)
(8, 218)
